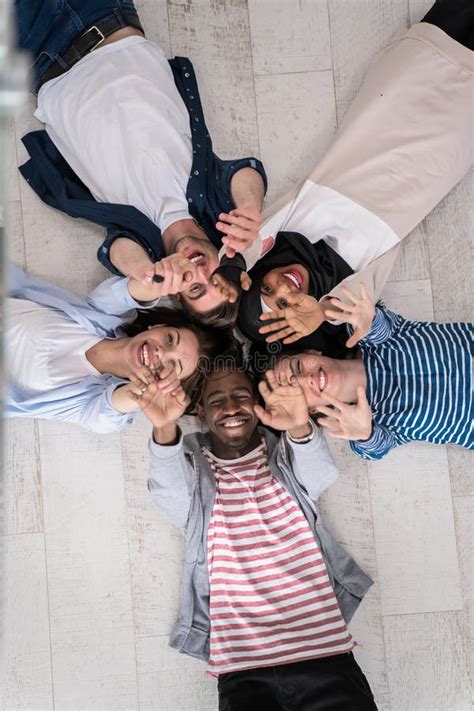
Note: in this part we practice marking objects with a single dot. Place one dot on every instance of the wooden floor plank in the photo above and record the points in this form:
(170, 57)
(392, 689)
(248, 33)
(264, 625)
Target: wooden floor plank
(294, 131)
(346, 509)
(414, 531)
(464, 523)
(418, 9)
(169, 681)
(12, 186)
(450, 241)
(25, 649)
(359, 29)
(413, 260)
(23, 502)
(216, 38)
(460, 471)
(153, 15)
(411, 299)
(15, 242)
(92, 634)
(289, 37)
(156, 548)
(426, 662)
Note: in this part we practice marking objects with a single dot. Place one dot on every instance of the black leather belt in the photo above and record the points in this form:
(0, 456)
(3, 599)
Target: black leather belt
(88, 41)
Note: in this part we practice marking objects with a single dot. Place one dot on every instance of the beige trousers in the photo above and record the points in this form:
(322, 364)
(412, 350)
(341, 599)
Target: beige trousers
(406, 140)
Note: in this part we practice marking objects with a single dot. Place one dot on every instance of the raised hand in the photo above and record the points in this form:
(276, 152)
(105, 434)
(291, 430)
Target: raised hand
(302, 316)
(229, 291)
(162, 406)
(174, 271)
(241, 227)
(347, 421)
(359, 313)
(131, 260)
(285, 403)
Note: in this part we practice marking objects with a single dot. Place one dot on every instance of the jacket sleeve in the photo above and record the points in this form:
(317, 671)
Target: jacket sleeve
(377, 446)
(170, 477)
(113, 297)
(311, 463)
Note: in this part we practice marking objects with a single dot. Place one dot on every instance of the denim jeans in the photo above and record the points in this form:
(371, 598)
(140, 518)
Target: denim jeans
(46, 28)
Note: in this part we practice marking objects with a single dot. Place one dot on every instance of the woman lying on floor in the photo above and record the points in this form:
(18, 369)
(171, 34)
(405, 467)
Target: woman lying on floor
(403, 145)
(72, 359)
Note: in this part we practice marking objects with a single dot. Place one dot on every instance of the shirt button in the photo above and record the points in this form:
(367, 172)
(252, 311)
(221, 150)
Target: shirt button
(196, 118)
(190, 199)
(191, 96)
(196, 172)
(186, 74)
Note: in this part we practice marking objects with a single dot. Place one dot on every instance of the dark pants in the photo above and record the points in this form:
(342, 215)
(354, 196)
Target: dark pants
(46, 28)
(456, 18)
(329, 684)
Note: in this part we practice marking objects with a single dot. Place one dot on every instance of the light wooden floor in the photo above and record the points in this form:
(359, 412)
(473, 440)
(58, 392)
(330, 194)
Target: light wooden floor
(91, 571)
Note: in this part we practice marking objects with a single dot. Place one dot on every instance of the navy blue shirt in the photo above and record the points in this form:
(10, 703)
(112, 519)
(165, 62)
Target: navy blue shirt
(208, 190)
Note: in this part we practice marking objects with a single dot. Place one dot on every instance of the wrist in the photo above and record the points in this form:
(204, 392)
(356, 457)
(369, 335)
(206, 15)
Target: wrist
(166, 434)
(366, 434)
(140, 293)
(301, 431)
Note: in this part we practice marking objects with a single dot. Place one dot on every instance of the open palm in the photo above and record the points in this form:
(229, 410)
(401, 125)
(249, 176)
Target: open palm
(303, 316)
(163, 408)
(285, 403)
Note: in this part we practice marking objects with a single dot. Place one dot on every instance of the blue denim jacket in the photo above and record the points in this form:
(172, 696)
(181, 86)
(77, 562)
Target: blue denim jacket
(208, 190)
(89, 401)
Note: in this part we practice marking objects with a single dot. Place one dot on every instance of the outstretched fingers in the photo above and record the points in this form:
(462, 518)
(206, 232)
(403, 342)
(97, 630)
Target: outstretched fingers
(350, 295)
(355, 338)
(272, 315)
(281, 334)
(264, 389)
(262, 415)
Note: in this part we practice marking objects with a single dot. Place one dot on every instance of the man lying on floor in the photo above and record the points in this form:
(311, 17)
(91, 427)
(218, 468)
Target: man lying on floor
(413, 380)
(126, 146)
(266, 590)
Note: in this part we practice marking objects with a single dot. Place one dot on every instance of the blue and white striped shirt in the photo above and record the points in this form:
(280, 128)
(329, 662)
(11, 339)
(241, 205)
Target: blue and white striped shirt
(419, 383)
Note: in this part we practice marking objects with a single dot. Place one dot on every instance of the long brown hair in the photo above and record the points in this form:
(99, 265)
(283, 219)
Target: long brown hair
(212, 342)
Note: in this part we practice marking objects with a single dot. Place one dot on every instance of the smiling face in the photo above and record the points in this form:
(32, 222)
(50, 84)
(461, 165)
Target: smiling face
(315, 373)
(164, 346)
(282, 282)
(227, 407)
(200, 294)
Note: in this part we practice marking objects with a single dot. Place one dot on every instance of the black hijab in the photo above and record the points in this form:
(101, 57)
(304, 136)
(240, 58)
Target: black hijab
(326, 269)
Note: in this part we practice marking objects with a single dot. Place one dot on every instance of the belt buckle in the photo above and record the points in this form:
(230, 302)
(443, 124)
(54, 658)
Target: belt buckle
(102, 37)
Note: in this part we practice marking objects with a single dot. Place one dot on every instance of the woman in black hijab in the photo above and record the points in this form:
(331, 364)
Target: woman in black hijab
(294, 267)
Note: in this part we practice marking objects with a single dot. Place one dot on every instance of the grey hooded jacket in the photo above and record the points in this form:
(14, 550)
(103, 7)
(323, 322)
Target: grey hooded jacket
(183, 487)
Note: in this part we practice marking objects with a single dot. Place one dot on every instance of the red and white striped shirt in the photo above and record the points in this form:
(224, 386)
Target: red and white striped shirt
(271, 601)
